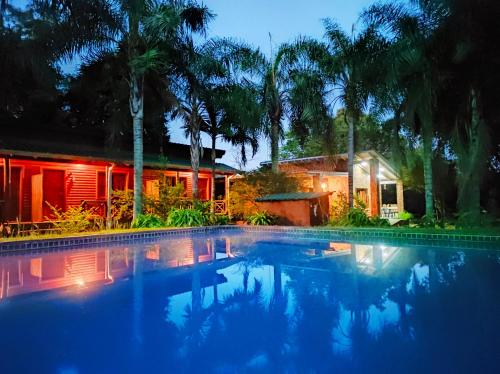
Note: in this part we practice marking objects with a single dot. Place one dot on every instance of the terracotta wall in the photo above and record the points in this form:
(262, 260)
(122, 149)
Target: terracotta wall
(293, 213)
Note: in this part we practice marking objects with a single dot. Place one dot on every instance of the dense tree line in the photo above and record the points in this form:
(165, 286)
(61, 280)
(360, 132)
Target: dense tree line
(417, 81)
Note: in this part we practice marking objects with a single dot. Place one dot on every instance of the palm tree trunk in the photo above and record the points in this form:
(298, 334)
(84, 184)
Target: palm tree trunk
(274, 145)
(427, 161)
(470, 164)
(136, 102)
(195, 155)
(350, 160)
(212, 182)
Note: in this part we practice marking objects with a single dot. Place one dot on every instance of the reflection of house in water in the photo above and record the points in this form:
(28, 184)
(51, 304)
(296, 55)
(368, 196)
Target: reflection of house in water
(369, 258)
(42, 272)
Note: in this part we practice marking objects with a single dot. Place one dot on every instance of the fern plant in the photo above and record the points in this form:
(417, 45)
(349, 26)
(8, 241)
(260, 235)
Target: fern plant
(261, 219)
(186, 218)
(148, 221)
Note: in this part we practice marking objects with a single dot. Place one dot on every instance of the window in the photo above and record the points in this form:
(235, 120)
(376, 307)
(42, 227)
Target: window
(119, 181)
(101, 185)
(389, 195)
(170, 180)
(184, 182)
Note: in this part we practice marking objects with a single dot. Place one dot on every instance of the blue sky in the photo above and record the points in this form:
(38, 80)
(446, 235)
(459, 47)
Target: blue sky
(253, 20)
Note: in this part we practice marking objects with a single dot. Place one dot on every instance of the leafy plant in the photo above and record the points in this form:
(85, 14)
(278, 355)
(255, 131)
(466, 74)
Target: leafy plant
(148, 221)
(122, 203)
(75, 219)
(217, 219)
(261, 219)
(404, 215)
(357, 217)
(256, 184)
(339, 209)
(169, 197)
(186, 217)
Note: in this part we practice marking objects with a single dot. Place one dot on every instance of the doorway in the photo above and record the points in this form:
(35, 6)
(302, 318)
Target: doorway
(53, 191)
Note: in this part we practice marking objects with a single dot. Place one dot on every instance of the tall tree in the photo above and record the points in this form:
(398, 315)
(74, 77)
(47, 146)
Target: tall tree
(151, 32)
(350, 64)
(412, 68)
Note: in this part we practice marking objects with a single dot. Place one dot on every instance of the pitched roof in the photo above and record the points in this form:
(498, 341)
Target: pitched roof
(177, 154)
(358, 157)
(290, 196)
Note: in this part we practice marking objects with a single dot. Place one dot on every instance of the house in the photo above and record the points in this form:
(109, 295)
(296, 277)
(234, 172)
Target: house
(35, 173)
(376, 182)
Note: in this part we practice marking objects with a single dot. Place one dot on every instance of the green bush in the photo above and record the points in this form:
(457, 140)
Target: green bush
(186, 217)
(217, 219)
(170, 197)
(261, 219)
(75, 219)
(341, 215)
(404, 215)
(357, 217)
(148, 221)
(122, 204)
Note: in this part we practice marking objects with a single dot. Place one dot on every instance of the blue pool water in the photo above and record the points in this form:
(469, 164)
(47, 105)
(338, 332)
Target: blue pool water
(251, 303)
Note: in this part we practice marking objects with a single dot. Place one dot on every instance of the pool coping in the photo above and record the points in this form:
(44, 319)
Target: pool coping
(358, 234)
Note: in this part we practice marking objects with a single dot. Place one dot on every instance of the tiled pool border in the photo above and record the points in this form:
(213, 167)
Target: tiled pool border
(361, 235)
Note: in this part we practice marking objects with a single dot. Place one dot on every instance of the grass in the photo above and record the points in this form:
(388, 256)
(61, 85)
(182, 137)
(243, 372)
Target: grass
(82, 234)
(488, 231)
(425, 230)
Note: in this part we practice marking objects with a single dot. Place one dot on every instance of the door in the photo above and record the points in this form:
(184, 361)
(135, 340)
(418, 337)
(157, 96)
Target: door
(36, 198)
(203, 193)
(53, 191)
(10, 193)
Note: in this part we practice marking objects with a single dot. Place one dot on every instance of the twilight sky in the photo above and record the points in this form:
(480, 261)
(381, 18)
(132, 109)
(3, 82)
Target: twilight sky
(252, 21)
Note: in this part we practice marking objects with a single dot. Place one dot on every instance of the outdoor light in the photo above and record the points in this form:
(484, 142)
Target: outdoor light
(364, 164)
(323, 186)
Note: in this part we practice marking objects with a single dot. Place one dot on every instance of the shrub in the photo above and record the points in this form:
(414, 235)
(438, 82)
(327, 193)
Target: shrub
(404, 215)
(256, 184)
(122, 204)
(342, 215)
(357, 217)
(148, 221)
(169, 197)
(186, 217)
(339, 209)
(75, 219)
(261, 219)
(217, 219)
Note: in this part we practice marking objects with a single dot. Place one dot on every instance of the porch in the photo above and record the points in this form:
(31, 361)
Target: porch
(375, 182)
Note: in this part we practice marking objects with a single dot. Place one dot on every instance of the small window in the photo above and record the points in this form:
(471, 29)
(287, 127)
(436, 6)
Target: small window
(119, 181)
(170, 180)
(101, 185)
(389, 194)
(184, 182)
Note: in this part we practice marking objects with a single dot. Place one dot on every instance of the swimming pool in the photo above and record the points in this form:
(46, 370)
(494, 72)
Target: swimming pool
(231, 301)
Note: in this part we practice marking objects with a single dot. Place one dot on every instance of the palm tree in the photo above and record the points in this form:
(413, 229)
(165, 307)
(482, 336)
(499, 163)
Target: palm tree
(412, 68)
(350, 65)
(234, 116)
(231, 101)
(150, 30)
